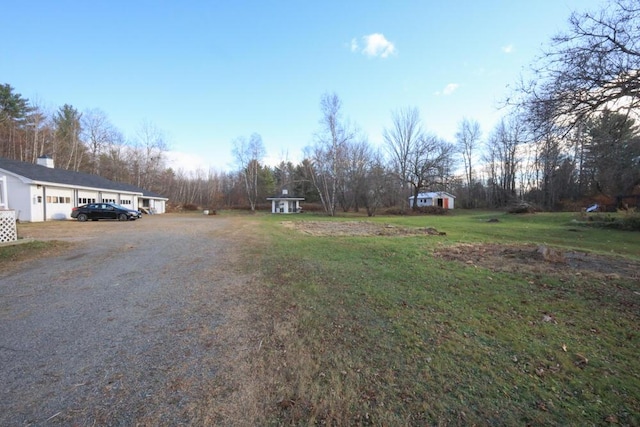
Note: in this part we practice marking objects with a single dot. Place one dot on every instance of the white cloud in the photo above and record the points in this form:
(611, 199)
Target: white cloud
(354, 45)
(508, 49)
(450, 88)
(375, 45)
(186, 162)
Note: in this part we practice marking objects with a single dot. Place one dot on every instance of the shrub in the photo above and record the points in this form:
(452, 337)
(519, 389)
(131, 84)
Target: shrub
(522, 207)
(394, 211)
(629, 221)
(431, 210)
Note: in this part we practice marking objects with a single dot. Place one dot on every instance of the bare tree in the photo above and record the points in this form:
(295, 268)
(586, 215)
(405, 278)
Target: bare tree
(428, 159)
(468, 138)
(503, 159)
(593, 66)
(98, 133)
(377, 183)
(114, 161)
(402, 141)
(148, 155)
(39, 134)
(248, 154)
(327, 158)
(356, 163)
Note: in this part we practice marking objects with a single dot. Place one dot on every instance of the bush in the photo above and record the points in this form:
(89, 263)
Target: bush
(394, 211)
(628, 221)
(522, 207)
(431, 210)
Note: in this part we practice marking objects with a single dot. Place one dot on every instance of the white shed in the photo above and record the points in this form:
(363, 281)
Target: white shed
(436, 198)
(285, 203)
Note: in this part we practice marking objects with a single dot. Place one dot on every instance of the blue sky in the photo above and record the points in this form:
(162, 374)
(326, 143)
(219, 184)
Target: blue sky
(207, 72)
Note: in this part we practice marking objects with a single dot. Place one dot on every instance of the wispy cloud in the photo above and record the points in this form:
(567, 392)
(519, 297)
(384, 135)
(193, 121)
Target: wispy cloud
(354, 45)
(508, 48)
(449, 89)
(374, 45)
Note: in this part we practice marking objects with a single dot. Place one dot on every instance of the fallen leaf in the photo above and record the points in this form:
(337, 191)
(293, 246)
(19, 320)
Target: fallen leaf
(582, 361)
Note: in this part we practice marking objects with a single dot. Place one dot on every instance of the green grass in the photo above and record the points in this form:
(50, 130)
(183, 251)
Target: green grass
(19, 252)
(376, 331)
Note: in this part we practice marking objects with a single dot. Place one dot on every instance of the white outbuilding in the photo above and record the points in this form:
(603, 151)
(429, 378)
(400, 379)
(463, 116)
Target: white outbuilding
(40, 192)
(436, 198)
(285, 203)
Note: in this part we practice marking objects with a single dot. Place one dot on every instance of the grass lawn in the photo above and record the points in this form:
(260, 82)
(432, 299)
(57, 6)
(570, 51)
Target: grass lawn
(473, 327)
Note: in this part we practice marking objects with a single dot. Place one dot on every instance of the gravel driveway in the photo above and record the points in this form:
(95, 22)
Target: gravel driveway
(119, 328)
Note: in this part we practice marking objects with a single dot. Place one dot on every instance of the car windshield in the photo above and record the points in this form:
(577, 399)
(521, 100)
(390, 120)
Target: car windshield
(121, 207)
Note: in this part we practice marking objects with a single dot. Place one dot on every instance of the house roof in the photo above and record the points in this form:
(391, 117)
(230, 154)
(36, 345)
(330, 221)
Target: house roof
(285, 197)
(45, 174)
(434, 194)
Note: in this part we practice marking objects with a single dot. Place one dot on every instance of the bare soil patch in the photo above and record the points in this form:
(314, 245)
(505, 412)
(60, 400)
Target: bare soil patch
(540, 259)
(497, 257)
(356, 228)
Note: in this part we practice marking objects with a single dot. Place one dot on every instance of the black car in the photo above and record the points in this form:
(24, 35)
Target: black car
(136, 213)
(96, 211)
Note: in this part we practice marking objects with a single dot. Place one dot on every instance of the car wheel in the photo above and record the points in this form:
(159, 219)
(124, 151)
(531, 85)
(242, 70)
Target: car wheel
(122, 217)
(82, 217)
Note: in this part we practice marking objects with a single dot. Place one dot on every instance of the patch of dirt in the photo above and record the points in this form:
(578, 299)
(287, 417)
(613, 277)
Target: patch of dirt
(357, 228)
(540, 259)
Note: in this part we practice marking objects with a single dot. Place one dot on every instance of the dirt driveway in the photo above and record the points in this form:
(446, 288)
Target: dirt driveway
(122, 326)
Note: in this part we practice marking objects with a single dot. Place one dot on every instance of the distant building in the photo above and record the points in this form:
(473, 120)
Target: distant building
(439, 198)
(285, 203)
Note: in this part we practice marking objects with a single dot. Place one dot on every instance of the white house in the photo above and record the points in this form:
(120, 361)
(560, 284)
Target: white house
(285, 203)
(437, 198)
(40, 192)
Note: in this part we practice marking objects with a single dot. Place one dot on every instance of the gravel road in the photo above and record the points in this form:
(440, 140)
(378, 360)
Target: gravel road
(119, 328)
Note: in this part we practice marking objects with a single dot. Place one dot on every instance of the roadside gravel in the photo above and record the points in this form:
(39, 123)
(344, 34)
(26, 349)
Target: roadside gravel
(121, 327)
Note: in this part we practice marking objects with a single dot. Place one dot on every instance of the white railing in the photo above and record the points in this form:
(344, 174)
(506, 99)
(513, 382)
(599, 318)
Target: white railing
(8, 230)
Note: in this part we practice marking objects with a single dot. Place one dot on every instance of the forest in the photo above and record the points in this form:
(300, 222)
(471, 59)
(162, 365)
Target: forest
(569, 137)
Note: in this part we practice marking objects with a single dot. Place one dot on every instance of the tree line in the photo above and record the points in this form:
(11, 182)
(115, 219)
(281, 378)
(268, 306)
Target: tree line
(569, 136)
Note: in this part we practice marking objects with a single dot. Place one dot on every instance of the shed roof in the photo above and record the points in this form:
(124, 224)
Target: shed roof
(285, 197)
(434, 194)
